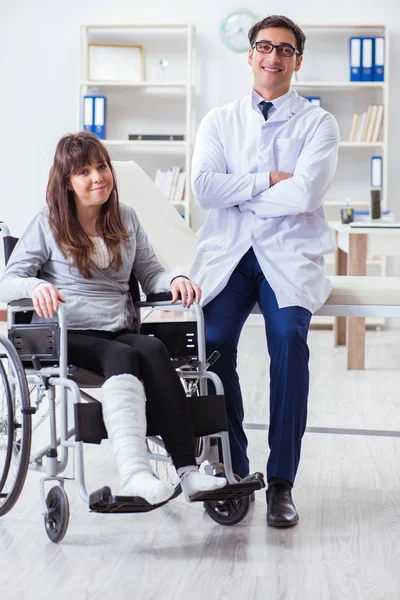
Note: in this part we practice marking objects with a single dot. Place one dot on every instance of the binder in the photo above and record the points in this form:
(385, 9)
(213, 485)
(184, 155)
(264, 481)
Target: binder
(373, 108)
(354, 125)
(376, 172)
(355, 59)
(367, 125)
(167, 184)
(180, 189)
(100, 117)
(314, 100)
(367, 58)
(361, 127)
(175, 176)
(159, 179)
(378, 124)
(88, 113)
(379, 63)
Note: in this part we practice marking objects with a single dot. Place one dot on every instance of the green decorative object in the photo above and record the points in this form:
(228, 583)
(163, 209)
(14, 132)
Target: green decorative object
(235, 28)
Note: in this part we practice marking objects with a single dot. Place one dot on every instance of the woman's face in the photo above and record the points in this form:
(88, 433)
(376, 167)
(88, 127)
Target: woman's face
(92, 185)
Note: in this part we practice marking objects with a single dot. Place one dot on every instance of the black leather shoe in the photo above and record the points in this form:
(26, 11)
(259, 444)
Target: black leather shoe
(281, 511)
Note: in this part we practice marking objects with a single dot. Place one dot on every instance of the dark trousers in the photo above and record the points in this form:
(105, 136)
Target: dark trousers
(286, 331)
(145, 357)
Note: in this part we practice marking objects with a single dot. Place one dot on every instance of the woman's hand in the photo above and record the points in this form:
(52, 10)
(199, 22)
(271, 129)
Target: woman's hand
(186, 290)
(46, 298)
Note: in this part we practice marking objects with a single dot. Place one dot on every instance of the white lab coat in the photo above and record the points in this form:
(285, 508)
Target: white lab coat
(235, 151)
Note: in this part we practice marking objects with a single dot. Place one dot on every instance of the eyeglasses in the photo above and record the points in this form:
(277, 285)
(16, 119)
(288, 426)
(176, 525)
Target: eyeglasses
(285, 50)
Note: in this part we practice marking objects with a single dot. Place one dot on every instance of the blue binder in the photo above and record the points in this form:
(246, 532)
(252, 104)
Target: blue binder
(314, 100)
(88, 113)
(379, 63)
(99, 119)
(376, 172)
(367, 58)
(355, 58)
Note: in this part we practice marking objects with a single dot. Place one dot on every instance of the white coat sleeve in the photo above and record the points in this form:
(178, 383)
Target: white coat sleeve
(314, 172)
(212, 186)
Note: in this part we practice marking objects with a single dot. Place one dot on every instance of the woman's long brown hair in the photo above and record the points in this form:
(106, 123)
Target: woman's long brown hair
(72, 153)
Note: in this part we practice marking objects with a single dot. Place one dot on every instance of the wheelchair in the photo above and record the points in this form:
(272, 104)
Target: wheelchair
(33, 360)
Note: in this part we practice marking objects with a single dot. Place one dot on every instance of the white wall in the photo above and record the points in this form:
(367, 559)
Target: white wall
(38, 67)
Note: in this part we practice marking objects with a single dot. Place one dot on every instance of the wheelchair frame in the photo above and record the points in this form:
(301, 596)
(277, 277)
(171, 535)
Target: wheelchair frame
(227, 506)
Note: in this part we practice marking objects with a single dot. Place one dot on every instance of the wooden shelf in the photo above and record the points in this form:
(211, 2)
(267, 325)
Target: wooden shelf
(177, 144)
(143, 26)
(339, 84)
(343, 26)
(138, 84)
(343, 203)
(361, 144)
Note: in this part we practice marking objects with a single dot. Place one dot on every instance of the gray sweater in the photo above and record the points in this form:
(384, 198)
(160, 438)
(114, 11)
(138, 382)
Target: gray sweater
(102, 302)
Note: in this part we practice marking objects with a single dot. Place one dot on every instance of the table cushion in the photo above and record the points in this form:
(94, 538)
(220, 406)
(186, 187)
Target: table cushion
(374, 291)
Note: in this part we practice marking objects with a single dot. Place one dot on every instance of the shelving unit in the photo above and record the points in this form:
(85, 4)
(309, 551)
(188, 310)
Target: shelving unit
(162, 103)
(325, 73)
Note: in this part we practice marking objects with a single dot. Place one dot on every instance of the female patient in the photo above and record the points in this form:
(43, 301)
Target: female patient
(86, 245)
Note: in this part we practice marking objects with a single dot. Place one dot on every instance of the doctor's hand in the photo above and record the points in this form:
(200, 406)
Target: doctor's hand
(277, 176)
(46, 298)
(183, 288)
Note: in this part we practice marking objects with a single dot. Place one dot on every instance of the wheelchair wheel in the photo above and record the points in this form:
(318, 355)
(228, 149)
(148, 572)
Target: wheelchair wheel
(57, 519)
(229, 512)
(161, 463)
(15, 426)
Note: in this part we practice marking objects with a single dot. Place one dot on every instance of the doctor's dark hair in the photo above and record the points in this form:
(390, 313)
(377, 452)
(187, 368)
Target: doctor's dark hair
(279, 21)
(73, 152)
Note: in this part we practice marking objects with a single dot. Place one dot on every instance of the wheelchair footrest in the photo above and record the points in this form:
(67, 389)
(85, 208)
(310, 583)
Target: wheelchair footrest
(103, 501)
(232, 491)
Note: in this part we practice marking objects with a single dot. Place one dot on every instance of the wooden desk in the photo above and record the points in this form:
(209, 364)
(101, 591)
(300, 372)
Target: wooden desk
(353, 246)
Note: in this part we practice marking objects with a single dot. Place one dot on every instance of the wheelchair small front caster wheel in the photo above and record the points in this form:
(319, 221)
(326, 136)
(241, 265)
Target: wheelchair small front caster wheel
(228, 512)
(57, 519)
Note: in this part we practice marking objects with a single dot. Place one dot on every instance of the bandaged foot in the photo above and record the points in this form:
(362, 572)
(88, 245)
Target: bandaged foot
(124, 414)
(192, 481)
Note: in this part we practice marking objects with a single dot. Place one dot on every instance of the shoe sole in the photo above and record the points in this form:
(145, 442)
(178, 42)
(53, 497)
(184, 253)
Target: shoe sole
(282, 525)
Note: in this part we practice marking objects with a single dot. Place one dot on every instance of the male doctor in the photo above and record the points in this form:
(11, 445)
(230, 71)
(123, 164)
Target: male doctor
(262, 165)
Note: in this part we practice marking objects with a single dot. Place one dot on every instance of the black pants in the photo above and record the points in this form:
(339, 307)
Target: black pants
(115, 353)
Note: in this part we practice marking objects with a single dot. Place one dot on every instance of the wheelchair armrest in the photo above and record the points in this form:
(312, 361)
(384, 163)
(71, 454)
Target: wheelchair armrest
(22, 303)
(162, 297)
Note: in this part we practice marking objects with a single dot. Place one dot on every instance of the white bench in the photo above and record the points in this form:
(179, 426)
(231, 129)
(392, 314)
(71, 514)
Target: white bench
(355, 296)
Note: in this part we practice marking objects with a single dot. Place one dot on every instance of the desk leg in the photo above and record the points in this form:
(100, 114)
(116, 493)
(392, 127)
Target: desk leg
(357, 265)
(339, 323)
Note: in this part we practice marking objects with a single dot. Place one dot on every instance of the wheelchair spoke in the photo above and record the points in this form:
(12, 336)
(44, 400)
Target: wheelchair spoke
(160, 461)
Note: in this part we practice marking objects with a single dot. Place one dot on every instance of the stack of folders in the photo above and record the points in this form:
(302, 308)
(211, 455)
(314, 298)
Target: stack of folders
(366, 126)
(94, 115)
(172, 183)
(367, 58)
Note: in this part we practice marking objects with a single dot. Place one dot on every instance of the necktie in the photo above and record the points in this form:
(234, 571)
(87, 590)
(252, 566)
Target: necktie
(265, 106)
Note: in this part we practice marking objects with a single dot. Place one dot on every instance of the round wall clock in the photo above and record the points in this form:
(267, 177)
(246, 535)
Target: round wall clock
(235, 28)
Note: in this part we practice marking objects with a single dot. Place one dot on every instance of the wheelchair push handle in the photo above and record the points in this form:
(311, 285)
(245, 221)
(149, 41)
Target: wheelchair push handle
(212, 359)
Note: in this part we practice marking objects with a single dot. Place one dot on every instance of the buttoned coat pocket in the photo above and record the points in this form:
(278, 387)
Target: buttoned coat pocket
(287, 151)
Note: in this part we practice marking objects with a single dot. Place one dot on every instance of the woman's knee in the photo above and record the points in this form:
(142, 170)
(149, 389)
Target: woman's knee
(121, 360)
(151, 346)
